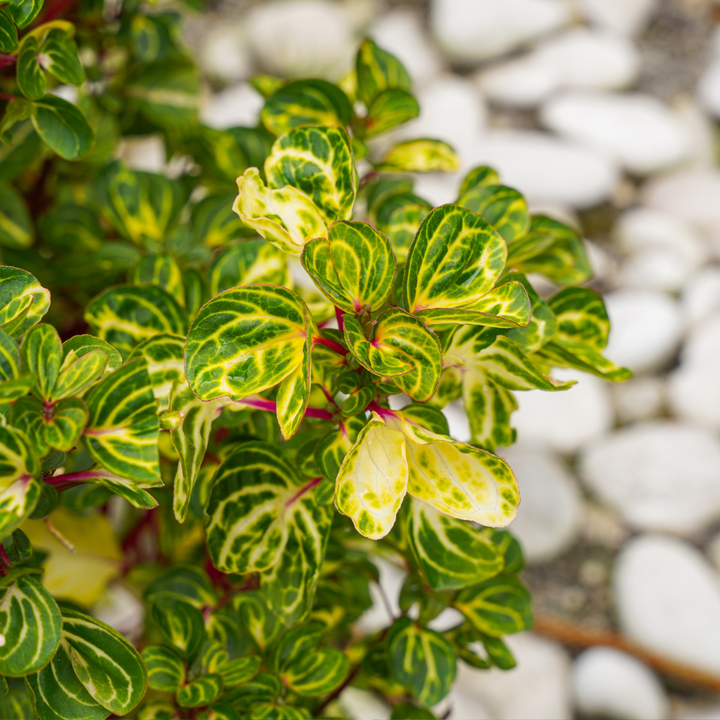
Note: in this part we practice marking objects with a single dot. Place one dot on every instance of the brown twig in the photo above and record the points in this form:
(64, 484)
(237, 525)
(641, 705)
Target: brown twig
(581, 636)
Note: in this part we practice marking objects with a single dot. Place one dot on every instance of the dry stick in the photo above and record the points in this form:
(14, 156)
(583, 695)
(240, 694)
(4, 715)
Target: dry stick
(581, 636)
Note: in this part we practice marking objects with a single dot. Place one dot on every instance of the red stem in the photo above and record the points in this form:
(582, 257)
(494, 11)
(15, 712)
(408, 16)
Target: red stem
(331, 344)
(7, 96)
(318, 413)
(381, 411)
(303, 490)
(271, 406)
(69, 480)
(340, 319)
(4, 557)
(57, 9)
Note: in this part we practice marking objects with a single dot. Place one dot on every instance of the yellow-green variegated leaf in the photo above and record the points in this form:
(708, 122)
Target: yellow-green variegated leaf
(78, 373)
(388, 110)
(378, 71)
(293, 395)
(318, 161)
(455, 259)
(195, 290)
(190, 440)
(497, 607)
(19, 470)
(332, 449)
(122, 431)
(246, 340)
(480, 176)
(181, 625)
(9, 357)
(81, 345)
(41, 354)
(201, 691)
(247, 263)
(317, 673)
(30, 624)
(542, 325)
(262, 626)
(373, 478)
(488, 409)
(126, 315)
(423, 155)
(56, 426)
(402, 225)
(552, 249)
(239, 670)
(354, 267)
(16, 226)
(421, 660)
(57, 694)
(458, 479)
(287, 217)
(294, 643)
(503, 207)
(160, 270)
(379, 360)
(107, 665)
(23, 301)
(506, 306)
(165, 358)
(581, 357)
(123, 487)
(166, 671)
(11, 390)
(451, 553)
(581, 317)
(262, 518)
(305, 102)
(141, 206)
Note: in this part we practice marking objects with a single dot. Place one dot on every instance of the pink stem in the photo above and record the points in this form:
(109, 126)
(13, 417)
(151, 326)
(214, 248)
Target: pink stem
(331, 344)
(271, 406)
(327, 394)
(318, 413)
(7, 96)
(4, 557)
(381, 411)
(339, 314)
(303, 490)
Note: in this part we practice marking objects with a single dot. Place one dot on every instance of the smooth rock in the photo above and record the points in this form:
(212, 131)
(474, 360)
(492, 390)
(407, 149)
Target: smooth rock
(658, 475)
(565, 420)
(624, 16)
(637, 130)
(639, 398)
(667, 596)
(546, 168)
(646, 327)
(122, 610)
(363, 705)
(225, 54)
(702, 347)
(708, 88)
(537, 688)
(612, 684)
(699, 128)
(580, 58)
(401, 33)
(550, 513)
(713, 551)
(391, 581)
(693, 195)
(472, 30)
(145, 153)
(301, 38)
(602, 526)
(657, 268)
(701, 296)
(236, 106)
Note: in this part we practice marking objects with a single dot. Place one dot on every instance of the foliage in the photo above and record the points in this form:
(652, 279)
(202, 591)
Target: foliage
(239, 426)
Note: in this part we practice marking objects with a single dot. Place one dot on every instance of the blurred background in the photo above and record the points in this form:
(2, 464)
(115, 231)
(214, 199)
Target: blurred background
(603, 112)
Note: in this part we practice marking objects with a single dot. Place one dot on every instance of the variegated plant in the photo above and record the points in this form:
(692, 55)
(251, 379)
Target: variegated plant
(251, 383)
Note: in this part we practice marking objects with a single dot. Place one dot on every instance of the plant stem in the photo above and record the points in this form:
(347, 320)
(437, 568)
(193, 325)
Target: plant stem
(271, 406)
(303, 490)
(339, 314)
(331, 344)
(7, 96)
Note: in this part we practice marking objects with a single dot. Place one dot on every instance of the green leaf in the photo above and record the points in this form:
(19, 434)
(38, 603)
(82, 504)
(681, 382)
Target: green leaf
(17, 388)
(166, 671)
(498, 652)
(402, 224)
(287, 217)
(406, 711)
(122, 431)
(23, 12)
(420, 156)
(107, 665)
(8, 33)
(57, 694)
(238, 671)
(141, 206)
(581, 318)
(421, 660)
(318, 161)
(125, 315)
(30, 77)
(183, 582)
(23, 301)
(455, 259)
(478, 177)
(41, 354)
(160, 270)
(511, 550)
(123, 487)
(247, 263)
(9, 357)
(16, 228)
(16, 705)
(181, 625)
(503, 207)
(388, 110)
(246, 340)
(332, 449)
(81, 345)
(30, 623)
(318, 673)
(581, 357)
(354, 268)
(542, 325)
(271, 711)
(377, 71)
(213, 221)
(497, 606)
(379, 360)
(451, 553)
(552, 249)
(19, 470)
(201, 691)
(305, 102)
(78, 373)
(165, 357)
(59, 56)
(63, 127)
(156, 710)
(294, 643)
(262, 625)
(196, 291)
(56, 426)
